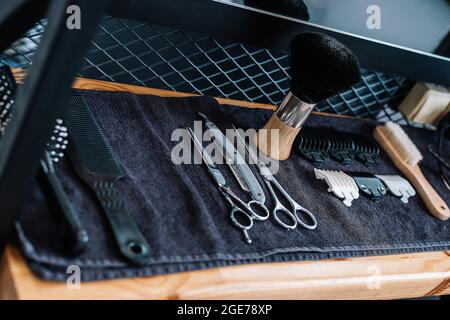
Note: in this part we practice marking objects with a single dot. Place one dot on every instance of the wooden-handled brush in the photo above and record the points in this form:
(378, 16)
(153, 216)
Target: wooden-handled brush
(405, 155)
(321, 66)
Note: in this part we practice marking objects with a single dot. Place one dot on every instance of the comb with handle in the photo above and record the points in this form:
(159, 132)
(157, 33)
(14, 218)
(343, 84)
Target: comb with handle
(96, 164)
(405, 155)
(70, 226)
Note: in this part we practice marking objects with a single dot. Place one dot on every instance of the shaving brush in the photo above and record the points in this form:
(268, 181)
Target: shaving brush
(321, 66)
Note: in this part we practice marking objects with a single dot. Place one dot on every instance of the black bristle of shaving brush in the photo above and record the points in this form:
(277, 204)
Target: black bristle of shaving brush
(321, 66)
(292, 8)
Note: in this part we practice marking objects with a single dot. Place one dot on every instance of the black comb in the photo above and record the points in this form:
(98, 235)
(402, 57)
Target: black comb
(72, 231)
(94, 161)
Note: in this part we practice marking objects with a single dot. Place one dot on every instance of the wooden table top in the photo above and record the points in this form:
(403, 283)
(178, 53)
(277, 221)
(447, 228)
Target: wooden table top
(381, 277)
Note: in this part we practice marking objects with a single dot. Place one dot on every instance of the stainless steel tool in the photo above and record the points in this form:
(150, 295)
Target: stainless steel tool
(279, 208)
(239, 178)
(240, 210)
(232, 155)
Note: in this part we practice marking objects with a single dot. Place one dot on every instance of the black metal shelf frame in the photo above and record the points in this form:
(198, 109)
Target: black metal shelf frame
(210, 48)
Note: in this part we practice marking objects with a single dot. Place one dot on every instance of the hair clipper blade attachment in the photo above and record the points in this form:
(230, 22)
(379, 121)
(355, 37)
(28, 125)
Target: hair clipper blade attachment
(342, 148)
(366, 151)
(369, 184)
(314, 146)
(398, 186)
(340, 184)
(317, 144)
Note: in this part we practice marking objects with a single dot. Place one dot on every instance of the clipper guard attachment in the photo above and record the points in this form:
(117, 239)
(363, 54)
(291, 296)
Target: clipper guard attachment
(366, 151)
(399, 187)
(340, 184)
(342, 148)
(319, 144)
(369, 184)
(314, 146)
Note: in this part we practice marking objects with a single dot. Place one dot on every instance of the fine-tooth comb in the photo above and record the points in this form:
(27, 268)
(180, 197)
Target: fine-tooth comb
(96, 164)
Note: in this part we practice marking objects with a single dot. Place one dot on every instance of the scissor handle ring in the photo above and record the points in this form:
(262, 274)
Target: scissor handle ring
(289, 214)
(237, 210)
(306, 212)
(260, 205)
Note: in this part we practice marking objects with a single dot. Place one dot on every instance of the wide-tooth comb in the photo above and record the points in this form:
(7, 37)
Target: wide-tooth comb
(58, 141)
(69, 224)
(405, 155)
(7, 91)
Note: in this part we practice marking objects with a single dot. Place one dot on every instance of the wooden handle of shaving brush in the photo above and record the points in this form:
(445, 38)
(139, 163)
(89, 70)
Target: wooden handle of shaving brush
(275, 139)
(321, 66)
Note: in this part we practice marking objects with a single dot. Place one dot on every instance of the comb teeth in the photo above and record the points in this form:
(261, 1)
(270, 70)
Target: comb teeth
(7, 90)
(88, 147)
(402, 143)
(58, 141)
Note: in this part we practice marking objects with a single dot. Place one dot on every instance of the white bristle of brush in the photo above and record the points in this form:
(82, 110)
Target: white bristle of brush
(402, 143)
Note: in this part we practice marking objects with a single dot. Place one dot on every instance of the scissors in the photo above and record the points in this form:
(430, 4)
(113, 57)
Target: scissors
(280, 209)
(242, 213)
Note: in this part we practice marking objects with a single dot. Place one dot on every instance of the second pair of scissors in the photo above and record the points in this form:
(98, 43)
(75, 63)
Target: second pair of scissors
(242, 213)
(292, 215)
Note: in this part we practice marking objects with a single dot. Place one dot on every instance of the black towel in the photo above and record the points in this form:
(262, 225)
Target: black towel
(186, 220)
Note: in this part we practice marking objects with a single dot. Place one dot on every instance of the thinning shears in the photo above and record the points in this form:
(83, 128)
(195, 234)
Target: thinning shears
(242, 213)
